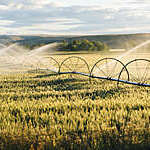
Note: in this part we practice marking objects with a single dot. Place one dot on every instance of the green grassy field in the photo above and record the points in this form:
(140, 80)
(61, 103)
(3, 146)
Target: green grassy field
(69, 112)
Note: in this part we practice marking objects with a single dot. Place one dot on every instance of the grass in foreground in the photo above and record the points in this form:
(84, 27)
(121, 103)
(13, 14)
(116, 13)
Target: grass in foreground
(59, 112)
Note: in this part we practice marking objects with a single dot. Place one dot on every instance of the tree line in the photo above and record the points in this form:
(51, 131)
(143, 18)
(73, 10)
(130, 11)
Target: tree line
(83, 44)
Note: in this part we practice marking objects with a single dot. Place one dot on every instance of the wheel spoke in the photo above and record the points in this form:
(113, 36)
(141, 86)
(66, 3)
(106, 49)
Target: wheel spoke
(74, 66)
(114, 75)
(100, 70)
(71, 64)
(106, 66)
(68, 67)
(81, 66)
(77, 61)
(137, 71)
(145, 72)
(134, 77)
(113, 70)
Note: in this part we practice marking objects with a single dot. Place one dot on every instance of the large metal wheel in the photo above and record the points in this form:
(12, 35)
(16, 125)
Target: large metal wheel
(75, 65)
(46, 65)
(139, 72)
(108, 68)
(53, 64)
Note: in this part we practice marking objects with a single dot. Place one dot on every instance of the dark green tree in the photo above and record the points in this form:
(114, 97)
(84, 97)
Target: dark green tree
(83, 45)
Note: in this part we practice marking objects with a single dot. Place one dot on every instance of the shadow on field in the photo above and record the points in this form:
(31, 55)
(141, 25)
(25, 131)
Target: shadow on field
(87, 89)
(59, 81)
(69, 87)
(46, 75)
(101, 93)
(68, 84)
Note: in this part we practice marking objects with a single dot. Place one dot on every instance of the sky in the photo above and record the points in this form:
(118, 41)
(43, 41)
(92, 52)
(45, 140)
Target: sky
(74, 17)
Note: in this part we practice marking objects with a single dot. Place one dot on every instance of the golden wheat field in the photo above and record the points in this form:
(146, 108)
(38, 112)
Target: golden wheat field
(40, 111)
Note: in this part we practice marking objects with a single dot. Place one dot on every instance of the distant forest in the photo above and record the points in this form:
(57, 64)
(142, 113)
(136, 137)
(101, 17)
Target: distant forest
(83, 45)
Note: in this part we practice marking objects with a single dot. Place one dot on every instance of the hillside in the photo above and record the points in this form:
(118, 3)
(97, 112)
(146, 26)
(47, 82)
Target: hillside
(125, 41)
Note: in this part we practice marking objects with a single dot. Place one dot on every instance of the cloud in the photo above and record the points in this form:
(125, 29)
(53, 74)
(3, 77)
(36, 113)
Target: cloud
(47, 17)
(6, 22)
(28, 4)
(139, 1)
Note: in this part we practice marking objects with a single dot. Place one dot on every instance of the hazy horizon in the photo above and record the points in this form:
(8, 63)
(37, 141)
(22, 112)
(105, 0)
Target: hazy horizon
(71, 35)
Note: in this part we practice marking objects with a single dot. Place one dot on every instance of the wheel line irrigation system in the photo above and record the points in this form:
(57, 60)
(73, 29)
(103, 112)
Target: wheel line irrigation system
(65, 67)
(107, 68)
(135, 72)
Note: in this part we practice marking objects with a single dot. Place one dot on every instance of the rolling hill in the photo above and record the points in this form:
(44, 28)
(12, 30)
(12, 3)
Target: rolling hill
(125, 41)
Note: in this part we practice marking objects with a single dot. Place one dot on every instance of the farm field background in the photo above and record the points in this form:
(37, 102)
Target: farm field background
(69, 112)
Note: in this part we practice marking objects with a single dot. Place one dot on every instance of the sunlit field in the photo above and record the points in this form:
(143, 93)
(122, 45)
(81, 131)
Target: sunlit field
(50, 111)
